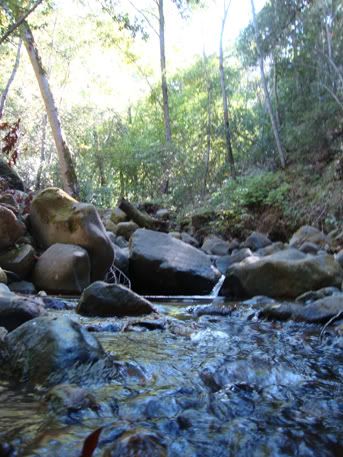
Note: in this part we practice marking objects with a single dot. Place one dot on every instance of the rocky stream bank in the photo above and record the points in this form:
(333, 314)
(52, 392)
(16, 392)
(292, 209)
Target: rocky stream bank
(254, 369)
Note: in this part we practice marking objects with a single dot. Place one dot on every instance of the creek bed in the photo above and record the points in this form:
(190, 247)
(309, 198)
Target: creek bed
(209, 386)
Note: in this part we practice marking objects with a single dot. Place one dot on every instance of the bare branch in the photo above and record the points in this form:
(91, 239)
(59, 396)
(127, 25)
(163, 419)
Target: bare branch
(19, 22)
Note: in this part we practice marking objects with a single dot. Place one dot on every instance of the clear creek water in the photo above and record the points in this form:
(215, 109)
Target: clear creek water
(218, 386)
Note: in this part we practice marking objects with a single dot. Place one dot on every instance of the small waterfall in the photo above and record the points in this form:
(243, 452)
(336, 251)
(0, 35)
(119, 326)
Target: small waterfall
(215, 291)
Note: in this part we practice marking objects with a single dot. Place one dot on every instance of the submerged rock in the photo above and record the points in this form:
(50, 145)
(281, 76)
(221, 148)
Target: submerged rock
(285, 274)
(48, 345)
(138, 443)
(63, 268)
(162, 264)
(56, 217)
(106, 300)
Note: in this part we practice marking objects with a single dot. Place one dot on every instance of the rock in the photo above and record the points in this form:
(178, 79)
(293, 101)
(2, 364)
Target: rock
(257, 241)
(176, 235)
(224, 263)
(163, 214)
(320, 311)
(8, 200)
(63, 268)
(162, 264)
(5, 290)
(140, 443)
(11, 229)
(15, 310)
(107, 300)
(189, 239)
(23, 287)
(47, 345)
(117, 215)
(20, 260)
(3, 276)
(121, 258)
(215, 246)
(309, 248)
(58, 218)
(339, 258)
(68, 398)
(286, 274)
(110, 226)
(271, 249)
(11, 176)
(119, 241)
(306, 233)
(3, 333)
(126, 229)
(312, 295)
(234, 244)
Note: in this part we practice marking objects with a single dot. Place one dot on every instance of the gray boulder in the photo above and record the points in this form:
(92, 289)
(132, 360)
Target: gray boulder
(224, 263)
(286, 274)
(215, 246)
(56, 217)
(319, 311)
(257, 241)
(48, 345)
(63, 268)
(162, 264)
(20, 260)
(15, 310)
(309, 234)
(106, 300)
(189, 239)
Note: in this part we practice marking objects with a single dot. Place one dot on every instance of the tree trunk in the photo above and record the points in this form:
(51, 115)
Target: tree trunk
(276, 134)
(141, 219)
(208, 129)
(225, 101)
(42, 153)
(68, 173)
(4, 95)
(165, 97)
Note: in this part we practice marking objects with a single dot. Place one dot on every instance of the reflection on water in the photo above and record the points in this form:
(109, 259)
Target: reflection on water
(221, 385)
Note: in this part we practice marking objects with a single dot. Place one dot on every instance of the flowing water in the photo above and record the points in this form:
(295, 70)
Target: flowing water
(212, 385)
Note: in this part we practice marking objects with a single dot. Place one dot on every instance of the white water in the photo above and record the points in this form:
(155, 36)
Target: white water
(215, 291)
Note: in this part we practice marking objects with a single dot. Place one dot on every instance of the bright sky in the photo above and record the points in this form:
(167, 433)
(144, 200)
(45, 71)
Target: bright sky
(118, 85)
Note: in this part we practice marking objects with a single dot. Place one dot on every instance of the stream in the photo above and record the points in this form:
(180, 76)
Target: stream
(205, 385)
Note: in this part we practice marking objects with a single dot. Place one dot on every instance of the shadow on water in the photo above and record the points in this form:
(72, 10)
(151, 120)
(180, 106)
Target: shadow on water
(211, 385)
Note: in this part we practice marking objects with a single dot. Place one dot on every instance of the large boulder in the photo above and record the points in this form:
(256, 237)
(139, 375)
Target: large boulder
(20, 260)
(15, 310)
(47, 345)
(225, 262)
(63, 268)
(257, 241)
(10, 228)
(11, 176)
(285, 274)
(162, 264)
(214, 245)
(56, 217)
(309, 234)
(106, 300)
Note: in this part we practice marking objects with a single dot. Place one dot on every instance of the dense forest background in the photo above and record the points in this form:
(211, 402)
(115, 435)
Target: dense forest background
(276, 157)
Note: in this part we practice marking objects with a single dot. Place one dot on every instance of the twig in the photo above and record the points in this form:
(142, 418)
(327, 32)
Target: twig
(333, 319)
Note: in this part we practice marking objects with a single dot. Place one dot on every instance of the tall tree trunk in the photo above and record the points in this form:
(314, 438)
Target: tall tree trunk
(4, 95)
(224, 96)
(273, 121)
(164, 86)
(42, 152)
(68, 173)
(208, 128)
(99, 158)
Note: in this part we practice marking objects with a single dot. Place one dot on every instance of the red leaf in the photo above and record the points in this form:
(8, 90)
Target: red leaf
(91, 443)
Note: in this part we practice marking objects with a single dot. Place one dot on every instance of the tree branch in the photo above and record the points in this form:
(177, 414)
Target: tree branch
(19, 22)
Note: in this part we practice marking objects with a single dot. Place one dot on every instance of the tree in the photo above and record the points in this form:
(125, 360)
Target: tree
(4, 95)
(272, 116)
(67, 169)
(227, 131)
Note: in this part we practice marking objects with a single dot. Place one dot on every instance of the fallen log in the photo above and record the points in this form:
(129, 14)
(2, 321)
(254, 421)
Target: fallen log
(142, 219)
